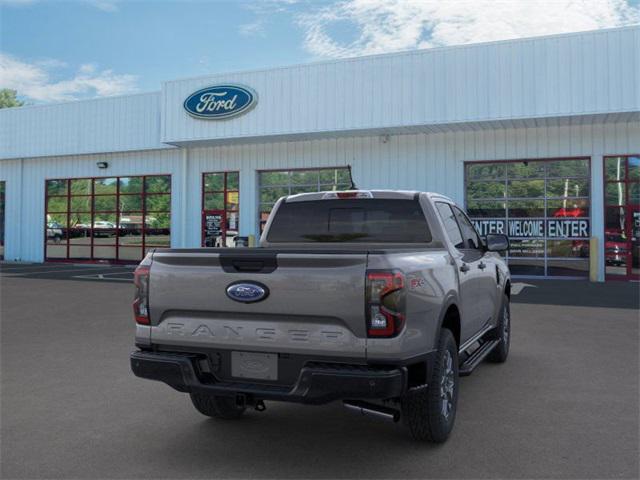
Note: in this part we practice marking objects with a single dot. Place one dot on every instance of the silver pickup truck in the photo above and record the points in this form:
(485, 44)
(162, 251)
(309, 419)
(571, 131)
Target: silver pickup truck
(379, 299)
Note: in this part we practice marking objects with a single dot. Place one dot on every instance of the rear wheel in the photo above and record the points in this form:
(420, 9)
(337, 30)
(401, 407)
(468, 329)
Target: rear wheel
(216, 406)
(430, 412)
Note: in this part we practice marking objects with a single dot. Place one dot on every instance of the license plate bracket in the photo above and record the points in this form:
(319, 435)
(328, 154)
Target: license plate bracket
(254, 365)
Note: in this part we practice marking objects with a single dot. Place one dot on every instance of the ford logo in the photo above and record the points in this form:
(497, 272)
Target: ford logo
(220, 101)
(247, 292)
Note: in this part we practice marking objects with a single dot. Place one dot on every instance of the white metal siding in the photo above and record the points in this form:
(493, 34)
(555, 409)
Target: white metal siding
(558, 76)
(112, 124)
(25, 190)
(431, 162)
(11, 174)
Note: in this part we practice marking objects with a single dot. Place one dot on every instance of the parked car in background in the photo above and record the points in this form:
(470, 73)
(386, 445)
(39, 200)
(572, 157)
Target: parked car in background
(54, 232)
(103, 228)
(379, 299)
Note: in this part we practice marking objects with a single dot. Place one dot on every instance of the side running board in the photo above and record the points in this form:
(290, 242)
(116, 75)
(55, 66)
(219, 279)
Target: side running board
(467, 367)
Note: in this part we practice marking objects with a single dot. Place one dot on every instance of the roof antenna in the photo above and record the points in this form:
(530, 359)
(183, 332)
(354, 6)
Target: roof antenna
(353, 185)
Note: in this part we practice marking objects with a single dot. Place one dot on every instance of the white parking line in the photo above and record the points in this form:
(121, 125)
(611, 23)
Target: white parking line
(38, 272)
(100, 276)
(517, 287)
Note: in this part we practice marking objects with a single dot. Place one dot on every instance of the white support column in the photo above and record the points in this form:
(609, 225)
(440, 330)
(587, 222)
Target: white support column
(597, 211)
(184, 203)
(248, 202)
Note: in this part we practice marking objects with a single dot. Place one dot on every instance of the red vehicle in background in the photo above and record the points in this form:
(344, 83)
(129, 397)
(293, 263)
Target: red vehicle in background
(569, 213)
(615, 247)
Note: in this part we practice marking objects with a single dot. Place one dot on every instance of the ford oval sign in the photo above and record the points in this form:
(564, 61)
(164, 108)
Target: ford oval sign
(220, 102)
(247, 292)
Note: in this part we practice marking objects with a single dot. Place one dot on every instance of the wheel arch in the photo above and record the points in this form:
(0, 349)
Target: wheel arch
(451, 320)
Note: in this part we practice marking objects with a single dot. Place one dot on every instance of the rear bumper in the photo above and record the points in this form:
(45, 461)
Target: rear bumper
(317, 383)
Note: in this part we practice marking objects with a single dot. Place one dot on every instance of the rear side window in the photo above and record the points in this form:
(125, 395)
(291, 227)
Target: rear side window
(450, 224)
(368, 220)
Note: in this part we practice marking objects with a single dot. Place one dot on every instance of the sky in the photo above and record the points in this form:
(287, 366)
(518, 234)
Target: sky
(54, 50)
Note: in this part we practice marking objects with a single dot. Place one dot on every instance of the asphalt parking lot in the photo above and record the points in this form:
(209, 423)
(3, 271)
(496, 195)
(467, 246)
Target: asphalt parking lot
(565, 405)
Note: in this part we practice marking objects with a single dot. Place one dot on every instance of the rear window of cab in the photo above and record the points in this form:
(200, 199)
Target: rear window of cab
(367, 220)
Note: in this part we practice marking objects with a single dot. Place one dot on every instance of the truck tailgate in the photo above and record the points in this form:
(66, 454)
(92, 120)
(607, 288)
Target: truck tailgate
(315, 302)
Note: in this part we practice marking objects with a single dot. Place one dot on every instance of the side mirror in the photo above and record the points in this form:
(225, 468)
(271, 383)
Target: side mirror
(497, 243)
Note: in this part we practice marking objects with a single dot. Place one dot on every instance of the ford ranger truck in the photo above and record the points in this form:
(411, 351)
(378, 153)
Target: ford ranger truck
(378, 299)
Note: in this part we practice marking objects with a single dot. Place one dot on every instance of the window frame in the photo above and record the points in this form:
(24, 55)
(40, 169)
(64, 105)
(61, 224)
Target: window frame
(225, 211)
(92, 213)
(3, 210)
(455, 209)
(546, 177)
(455, 221)
(627, 206)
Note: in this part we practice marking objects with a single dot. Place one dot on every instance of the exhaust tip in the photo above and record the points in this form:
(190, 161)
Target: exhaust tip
(372, 410)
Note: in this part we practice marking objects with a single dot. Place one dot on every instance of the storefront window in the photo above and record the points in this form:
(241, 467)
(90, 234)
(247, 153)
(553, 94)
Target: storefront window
(622, 217)
(2, 187)
(107, 219)
(542, 205)
(276, 184)
(220, 209)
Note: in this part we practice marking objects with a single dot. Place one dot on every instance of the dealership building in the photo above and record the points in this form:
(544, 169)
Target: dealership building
(538, 138)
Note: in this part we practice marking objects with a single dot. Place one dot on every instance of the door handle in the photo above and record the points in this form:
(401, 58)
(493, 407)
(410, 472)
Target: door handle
(482, 266)
(464, 268)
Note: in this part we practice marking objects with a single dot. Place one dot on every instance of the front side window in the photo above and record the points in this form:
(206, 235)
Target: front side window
(469, 235)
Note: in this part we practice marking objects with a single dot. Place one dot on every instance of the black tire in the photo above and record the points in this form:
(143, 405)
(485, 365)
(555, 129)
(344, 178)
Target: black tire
(503, 333)
(423, 409)
(216, 407)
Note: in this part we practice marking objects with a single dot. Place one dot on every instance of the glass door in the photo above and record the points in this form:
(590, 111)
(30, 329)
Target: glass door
(622, 217)
(220, 206)
(2, 220)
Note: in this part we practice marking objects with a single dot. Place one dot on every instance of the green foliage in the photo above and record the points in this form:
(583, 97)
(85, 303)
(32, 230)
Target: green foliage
(8, 98)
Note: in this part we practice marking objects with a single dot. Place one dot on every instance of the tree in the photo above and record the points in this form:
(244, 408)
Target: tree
(8, 98)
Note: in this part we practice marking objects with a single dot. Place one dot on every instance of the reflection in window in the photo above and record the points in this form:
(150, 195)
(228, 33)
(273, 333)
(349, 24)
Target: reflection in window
(276, 184)
(450, 224)
(517, 195)
(526, 169)
(615, 193)
(107, 218)
(525, 188)
(525, 208)
(220, 205)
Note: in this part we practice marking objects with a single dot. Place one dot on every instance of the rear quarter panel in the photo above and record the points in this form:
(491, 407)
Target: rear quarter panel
(431, 283)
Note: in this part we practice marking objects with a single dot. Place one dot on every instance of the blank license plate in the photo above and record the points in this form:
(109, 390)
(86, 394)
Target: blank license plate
(261, 366)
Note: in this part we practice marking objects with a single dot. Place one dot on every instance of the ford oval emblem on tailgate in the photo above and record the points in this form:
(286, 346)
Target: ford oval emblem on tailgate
(247, 292)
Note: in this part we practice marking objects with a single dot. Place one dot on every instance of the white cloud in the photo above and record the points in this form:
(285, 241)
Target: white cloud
(252, 29)
(390, 25)
(104, 5)
(34, 80)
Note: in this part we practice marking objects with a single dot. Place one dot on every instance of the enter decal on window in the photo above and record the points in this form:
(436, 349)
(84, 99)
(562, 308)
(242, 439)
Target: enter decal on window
(532, 228)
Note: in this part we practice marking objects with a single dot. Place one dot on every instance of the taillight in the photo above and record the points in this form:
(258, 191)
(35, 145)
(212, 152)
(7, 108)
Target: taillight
(385, 303)
(141, 299)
